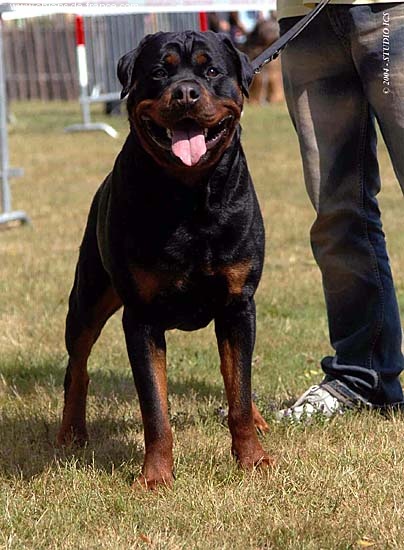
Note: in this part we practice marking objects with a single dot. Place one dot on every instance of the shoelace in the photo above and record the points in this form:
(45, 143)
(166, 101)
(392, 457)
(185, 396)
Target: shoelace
(309, 396)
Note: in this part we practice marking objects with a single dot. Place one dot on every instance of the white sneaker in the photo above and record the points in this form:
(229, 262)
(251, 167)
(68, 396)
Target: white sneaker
(316, 401)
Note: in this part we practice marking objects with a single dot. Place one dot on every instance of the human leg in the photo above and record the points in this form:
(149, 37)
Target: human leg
(335, 126)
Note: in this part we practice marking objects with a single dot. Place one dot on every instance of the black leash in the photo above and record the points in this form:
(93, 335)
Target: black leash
(275, 49)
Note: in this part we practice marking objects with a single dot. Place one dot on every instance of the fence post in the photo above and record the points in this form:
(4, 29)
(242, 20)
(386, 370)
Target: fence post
(82, 67)
(85, 100)
(7, 214)
(203, 21)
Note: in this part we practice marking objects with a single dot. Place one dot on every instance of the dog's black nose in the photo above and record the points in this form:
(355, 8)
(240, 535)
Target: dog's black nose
(186, 93)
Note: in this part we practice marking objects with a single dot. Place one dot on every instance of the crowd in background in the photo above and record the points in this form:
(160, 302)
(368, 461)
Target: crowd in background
(253, 32)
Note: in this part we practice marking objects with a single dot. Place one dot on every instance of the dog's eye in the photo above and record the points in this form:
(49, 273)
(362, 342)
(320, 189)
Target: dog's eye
(212, 72)
(159, 73)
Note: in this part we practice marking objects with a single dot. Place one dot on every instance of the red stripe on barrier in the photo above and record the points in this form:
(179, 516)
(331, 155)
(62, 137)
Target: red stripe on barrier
(203, 21)
(80, 36)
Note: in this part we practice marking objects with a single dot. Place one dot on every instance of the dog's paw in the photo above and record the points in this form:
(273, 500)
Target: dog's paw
(153, 482)
(72, 436)
(253, 456)
(157, 472)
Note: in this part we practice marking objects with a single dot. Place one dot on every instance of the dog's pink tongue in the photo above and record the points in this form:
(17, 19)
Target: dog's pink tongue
(189, 145)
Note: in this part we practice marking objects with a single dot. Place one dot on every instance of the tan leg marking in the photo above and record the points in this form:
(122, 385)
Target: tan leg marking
(158, 464)
(148, 283)
(236, 276)
(245, 445)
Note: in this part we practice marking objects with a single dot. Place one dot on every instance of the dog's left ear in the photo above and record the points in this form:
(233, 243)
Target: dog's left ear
(245, 71)
(126, 66)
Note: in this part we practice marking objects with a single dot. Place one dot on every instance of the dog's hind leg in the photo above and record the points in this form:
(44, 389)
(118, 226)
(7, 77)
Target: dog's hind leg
(92, 301)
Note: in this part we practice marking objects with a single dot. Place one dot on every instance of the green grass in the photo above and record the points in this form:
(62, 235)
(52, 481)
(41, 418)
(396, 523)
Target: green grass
(337, 485)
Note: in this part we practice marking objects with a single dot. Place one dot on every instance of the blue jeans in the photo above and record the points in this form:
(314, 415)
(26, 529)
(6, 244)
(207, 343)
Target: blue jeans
(336, 86)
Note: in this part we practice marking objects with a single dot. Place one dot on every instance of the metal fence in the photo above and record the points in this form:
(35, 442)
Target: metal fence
(108, 38)
(40, 54)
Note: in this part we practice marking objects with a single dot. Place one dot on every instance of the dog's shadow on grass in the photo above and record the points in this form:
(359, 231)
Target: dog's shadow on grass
(29, 448)
(28, 430)
(23, 380)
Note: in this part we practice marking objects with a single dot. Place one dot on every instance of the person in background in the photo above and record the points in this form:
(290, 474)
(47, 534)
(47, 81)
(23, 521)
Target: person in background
(343, 73)
(267, 84)
(217, 22)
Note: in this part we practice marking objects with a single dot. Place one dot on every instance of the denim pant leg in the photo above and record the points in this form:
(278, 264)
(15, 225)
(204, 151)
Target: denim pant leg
(378, 53)
(336, 129)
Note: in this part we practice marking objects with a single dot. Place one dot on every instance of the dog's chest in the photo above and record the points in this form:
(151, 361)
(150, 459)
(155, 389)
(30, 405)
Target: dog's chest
(168, 256)
(178, 265)
(187, 300)
(201, 283)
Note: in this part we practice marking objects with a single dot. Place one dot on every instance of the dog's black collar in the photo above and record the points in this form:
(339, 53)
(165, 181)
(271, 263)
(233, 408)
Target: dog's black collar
(275, 49)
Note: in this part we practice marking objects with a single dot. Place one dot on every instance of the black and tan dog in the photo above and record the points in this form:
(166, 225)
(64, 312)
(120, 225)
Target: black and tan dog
(175, 235)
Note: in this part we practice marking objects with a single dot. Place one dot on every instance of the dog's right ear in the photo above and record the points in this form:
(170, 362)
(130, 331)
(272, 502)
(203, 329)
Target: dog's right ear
(126, 66)
(125, 71)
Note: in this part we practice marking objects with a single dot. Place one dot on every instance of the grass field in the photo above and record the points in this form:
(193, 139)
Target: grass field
(336, 485)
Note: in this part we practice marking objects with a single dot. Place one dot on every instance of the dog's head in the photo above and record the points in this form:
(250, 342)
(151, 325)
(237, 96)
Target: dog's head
(185, 96)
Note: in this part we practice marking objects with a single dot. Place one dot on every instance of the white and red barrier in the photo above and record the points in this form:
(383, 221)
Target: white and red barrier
(88, 52)
(81, 51)
(85, 98)
(203, 21)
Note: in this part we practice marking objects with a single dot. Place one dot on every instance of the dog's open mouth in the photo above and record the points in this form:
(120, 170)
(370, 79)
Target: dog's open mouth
(188, 140)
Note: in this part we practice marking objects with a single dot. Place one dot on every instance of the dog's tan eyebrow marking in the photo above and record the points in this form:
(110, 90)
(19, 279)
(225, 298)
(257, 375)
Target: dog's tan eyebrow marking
(172, 59)
(201, 58)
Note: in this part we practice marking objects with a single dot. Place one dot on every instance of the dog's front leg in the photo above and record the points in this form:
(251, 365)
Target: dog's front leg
(147, 355)
(235, 332)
